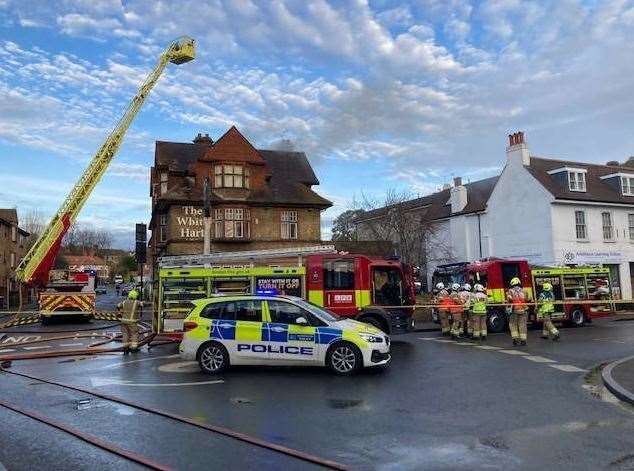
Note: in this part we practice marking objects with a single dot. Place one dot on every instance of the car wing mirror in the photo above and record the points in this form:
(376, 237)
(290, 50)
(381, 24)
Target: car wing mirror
(301, 321)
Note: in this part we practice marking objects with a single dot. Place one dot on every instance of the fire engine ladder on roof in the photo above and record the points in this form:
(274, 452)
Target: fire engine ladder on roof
(36, 265)
(180, 261)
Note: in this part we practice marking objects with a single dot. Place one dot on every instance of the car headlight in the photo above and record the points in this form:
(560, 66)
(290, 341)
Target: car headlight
(371, 338)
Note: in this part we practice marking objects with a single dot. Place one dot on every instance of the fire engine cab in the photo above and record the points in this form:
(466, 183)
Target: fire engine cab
(372, 290)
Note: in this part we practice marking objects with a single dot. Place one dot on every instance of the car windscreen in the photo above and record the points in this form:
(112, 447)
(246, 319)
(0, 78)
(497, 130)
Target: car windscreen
(318, 311)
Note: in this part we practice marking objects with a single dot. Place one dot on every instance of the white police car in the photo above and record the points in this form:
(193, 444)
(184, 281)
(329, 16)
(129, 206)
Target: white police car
(278, 330)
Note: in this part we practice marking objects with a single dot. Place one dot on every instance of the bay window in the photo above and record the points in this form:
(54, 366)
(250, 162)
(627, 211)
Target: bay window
(231, 176)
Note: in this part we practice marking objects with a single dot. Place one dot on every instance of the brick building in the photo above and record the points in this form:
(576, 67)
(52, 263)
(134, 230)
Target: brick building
(259, 198)
(12, 249)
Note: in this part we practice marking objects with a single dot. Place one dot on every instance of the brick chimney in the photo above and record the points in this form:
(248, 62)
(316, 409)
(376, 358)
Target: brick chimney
(200, 139)
(458, 196)
(517, 150)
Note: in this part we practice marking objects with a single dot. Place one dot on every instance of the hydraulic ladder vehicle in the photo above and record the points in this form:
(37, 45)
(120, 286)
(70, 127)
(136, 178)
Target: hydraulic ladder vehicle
(70, 296)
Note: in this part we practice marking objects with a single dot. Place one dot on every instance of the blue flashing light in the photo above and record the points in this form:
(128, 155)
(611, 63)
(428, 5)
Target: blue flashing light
(266, 292)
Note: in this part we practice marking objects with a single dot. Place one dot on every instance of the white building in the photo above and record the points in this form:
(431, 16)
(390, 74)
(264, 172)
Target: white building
(550, 212)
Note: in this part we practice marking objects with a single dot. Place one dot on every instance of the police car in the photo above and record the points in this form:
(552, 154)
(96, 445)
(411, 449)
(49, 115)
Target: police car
(278, 330)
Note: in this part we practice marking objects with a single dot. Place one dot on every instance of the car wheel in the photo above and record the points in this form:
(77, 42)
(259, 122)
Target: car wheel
(496, 321)
(213, 358)
(577, 317)
(344, 358)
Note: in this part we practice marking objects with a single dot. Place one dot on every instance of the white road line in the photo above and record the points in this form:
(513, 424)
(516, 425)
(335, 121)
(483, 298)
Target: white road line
(7, 350)
(427, 338)
(538, 359)
(488, 347)
(465, 343)
(36, 347)
(512, 352)
(70, 344)
(444, 341)
(568, 368)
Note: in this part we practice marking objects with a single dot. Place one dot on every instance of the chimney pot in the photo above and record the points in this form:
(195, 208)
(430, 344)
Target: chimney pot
(457, 181)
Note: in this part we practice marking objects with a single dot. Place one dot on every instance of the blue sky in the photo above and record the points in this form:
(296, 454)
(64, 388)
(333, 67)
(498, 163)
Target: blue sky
(380, 94)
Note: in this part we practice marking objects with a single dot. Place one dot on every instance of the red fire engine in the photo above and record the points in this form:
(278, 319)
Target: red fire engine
(572, 286)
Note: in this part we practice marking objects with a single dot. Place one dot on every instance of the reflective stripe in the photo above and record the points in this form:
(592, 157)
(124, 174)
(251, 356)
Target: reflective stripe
(249, 330)
(299, 333)
(316, 296)
(362, 297)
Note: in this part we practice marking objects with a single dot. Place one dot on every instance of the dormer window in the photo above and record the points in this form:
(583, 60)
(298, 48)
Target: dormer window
(231, 176)
(627, 185)
(576, 181)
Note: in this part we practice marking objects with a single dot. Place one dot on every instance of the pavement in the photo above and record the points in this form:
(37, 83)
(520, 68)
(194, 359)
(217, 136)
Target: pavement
(439, 405)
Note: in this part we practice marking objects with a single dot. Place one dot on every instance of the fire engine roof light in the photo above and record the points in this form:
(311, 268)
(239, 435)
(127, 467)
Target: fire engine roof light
(266, 292)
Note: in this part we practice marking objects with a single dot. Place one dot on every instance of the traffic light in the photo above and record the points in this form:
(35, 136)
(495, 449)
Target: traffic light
(141, 242)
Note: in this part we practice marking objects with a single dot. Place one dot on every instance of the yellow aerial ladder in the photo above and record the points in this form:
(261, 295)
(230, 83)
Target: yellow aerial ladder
(35, 267)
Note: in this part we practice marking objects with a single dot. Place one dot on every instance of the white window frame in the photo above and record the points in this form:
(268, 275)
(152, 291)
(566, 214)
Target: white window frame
(289, 227)
(609, 227)
(576, 181)
(163, 220)
(14, 233)
(627, 185)
(12, 259)
(232, 223)
(164, 179)
(581, 226)
(630, 226)
(163, 234)
(232, 176)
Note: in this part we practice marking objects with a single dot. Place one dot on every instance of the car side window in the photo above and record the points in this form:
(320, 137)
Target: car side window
(218, 311)
(287, 313)
(248, 310)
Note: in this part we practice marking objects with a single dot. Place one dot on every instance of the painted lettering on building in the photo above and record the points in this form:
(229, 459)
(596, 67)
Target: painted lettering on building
(191, 223)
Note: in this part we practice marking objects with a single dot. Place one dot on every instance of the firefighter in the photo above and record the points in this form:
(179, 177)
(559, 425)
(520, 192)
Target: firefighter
(545, 310)
(131, 311)
(457, 309)
(466, 296)
(443, 302)
(517, 321)
(479, 312)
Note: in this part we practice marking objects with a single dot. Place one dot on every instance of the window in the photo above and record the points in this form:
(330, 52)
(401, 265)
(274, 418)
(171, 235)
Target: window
(14, 233)
(339, 274)
(244, 310)
(163, 234)
(608, 229)
(163, 220)
(287, 313)
(163, 183)
(630, 225)
(231, 176)
(580, 225)
(232, 223)
(289, 224)
(627, 186)
(577, 181)
(12, 259)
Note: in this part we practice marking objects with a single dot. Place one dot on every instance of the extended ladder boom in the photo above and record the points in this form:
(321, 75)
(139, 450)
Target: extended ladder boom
(35, 266)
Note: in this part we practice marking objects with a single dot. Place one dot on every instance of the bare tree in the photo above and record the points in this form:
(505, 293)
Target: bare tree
(419, 240)
(34, 222)
(82, 239)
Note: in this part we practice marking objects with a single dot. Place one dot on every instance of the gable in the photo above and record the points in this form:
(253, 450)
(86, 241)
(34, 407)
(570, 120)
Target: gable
(234, 147)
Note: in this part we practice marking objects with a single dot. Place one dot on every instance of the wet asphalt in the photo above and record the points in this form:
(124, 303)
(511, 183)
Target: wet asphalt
(439, 405)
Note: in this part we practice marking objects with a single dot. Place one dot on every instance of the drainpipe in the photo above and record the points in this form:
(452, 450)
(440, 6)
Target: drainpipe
(479, 236)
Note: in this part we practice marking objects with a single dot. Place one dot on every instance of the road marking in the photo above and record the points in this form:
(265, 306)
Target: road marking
(36, 347)
(568, 368)
(538, 359)
(123, 363)
(7, 350)
(512, 352)
(465, 343)
(427, 338)
(488, 347)
(180, 367)
(444, 341)
(97, 382)
(70, 344)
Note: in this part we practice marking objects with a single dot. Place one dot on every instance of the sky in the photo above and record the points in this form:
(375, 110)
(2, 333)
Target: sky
(381, 95)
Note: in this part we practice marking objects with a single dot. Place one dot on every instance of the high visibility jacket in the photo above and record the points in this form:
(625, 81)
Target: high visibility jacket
(546, 305)
(517, 298)
(456, 305)
(443, 300)
(130, 310)
(479, 303)
(466, 299)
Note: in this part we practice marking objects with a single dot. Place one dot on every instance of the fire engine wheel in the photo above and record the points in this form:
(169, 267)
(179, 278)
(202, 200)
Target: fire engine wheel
(344, 358)
(496, 322)
(577, 317)
(213, 358)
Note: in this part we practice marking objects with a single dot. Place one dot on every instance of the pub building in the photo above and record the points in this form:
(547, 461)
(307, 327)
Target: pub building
(260, 199)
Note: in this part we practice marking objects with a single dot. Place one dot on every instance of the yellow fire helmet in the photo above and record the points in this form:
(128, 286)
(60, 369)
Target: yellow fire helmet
(547, 287)
(516, 282)
(133, 294)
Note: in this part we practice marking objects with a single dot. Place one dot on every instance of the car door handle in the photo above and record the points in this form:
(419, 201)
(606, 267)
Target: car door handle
(278, 329)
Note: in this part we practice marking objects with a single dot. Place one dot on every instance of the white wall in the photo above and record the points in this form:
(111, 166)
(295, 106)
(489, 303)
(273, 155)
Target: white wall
(518, 217)
(595, 250)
